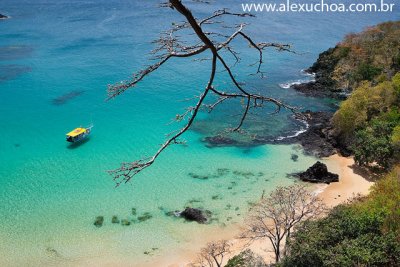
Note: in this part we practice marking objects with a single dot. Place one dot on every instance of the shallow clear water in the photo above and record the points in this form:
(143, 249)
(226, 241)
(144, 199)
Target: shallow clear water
(50, 192)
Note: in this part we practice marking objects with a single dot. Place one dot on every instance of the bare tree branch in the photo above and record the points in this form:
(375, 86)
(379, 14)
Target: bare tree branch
(170, 46)
(213, 254)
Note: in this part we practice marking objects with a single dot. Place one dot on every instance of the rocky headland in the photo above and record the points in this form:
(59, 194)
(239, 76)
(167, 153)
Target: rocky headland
(359, 63)
(325, 84)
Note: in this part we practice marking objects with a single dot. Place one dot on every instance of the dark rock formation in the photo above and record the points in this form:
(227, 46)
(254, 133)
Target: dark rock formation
(316, 89)
(98, 222)
(144, 217)
(3, 16)
(318, 173)
(192, 214)
(125, 222)
(114, 219)
(319, 139)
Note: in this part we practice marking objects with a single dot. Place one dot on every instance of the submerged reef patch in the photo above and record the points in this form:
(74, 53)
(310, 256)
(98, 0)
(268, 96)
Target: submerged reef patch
(13, 52)
(223, 172)
(63, 99)
(10, 72)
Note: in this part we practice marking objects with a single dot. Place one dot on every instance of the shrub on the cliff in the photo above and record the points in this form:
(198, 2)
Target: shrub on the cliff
(396, 137)
(396, 83)
(367, 72)
(396, 62)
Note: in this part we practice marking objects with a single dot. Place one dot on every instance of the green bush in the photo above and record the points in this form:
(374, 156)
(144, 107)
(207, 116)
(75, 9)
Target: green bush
(396, 83)
(374, 145)
(367, 72)
(385, 195)
(246, 258)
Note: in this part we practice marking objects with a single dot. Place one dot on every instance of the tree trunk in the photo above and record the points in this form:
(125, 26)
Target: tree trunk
(278, 251)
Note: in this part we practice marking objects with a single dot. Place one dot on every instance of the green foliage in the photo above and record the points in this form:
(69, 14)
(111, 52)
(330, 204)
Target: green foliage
(385, 195)
(365, 122)
(396, 62)
(246, 258)
(362, 233)
(366, 72)
(342, 52)
(396, 83)
(373, 145)
(396, 136)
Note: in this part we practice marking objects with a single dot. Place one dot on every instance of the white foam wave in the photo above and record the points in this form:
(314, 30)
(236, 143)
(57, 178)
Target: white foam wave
(303, 129)
(305, 73)
(289, 84)
(310, 78)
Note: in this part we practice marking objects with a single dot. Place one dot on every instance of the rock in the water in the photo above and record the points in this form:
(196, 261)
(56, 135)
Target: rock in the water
(294, 157)
(318, 173)
(114, 219)
(99, 221)
(145, 216)
(125, 222)
(318, 140)
(134, 211)
(192, 214)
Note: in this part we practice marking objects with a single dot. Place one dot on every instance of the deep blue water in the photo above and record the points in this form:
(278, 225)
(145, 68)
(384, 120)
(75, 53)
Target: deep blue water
(51, 192)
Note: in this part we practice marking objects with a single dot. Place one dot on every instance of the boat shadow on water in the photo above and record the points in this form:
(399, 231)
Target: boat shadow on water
(78, 144)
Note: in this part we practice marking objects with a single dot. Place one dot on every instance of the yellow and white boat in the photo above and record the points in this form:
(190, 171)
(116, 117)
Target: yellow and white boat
(79, 134)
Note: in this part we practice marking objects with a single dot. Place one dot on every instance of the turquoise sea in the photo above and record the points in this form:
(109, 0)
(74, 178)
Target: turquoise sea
(57, 58)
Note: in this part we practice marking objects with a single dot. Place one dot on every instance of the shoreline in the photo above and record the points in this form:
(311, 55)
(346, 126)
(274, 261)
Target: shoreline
(350, 184)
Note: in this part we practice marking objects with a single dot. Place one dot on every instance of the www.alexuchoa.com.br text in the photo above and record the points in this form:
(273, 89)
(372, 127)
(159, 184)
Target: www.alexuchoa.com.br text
(321, 6)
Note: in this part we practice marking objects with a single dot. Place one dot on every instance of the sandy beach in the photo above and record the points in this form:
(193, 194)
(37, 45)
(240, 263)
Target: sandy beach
(350, 184)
